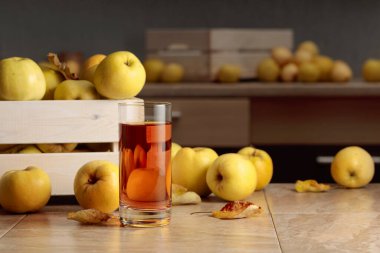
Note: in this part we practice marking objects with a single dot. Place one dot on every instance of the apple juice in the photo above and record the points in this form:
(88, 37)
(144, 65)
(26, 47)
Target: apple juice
(145, 169)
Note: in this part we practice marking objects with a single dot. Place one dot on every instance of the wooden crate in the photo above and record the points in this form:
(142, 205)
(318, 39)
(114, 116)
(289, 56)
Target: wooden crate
(202, 52)
(85, 121)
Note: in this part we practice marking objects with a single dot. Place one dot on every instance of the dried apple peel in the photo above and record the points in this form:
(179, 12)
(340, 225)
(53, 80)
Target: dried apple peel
(310, 185)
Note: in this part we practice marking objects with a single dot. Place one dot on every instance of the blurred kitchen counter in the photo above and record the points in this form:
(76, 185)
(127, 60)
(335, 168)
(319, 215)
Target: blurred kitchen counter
(258, 89)
(235, 115)
(340, 220)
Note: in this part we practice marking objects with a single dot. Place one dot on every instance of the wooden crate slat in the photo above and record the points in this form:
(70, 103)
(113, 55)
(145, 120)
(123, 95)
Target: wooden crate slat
(61, 167)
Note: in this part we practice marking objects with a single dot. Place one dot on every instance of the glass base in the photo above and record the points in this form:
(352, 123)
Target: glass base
(132, 217)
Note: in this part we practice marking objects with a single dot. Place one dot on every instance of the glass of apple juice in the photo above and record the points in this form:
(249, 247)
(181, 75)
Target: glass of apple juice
(145, 132)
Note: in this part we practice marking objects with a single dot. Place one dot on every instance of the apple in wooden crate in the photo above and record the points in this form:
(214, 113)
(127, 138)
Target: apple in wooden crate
(120, 75)
(89, 67)
(21, 79)
(75, 90)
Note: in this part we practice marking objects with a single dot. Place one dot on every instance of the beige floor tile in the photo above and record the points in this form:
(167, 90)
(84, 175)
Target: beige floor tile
(8, 221)
(323, 233)
(45, 231)
(282, 198)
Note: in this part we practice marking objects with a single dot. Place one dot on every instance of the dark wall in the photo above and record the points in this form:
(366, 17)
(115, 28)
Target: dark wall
(344, 29)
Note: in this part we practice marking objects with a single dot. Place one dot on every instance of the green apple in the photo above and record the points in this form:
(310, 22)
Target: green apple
(263, 164)
(352, 167)
(232, 177)
(153, 68)
(172, 73)
(189, 168)
(174, 150)
(229, 73)
(21, 79)
(96, 185)
(75, 90)
(52, 78)
(120, 75)
(25, 190)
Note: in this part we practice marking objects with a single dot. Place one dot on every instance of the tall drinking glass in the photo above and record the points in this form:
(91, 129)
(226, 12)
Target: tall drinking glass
(145, 169)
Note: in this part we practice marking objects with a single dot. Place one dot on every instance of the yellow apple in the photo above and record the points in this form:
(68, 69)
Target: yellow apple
(189, 168)
(25, 190)
(282, 55)
(308, 72)
(353, 167)
(56, 148)
(21, 79)
(174, 150)
(289, 72)
(268, 70)
(371, 70)
(52, 78)
(172, 73)
(309, 46)
(30, 149)
(228, 73)
(341, 72)
(153, 68)
(120, 75)
(96, 185)
(88, 68)
(75, 90)
(232, 177)
(325, 65)
(302, 56)
(263, 164)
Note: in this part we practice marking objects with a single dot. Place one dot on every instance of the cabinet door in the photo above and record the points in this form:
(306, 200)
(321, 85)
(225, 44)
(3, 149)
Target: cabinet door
(211, 122)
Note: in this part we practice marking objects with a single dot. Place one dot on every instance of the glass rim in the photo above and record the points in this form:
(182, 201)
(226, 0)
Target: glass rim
(142, 103)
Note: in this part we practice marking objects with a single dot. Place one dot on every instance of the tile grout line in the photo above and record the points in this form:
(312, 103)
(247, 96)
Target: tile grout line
(12, 227)
(271, 217)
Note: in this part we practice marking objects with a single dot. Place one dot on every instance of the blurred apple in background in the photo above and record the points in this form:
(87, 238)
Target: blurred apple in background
(289, 72)
(282, 55)
(88, 68)
(189, 168)
(371, 70)
(96, 185)
(325, 65)
(21, 79)
(263, 164)
(353, 167)
(309, 46)
(25, 190)
(75, 90)
(308, 72)
(341, 72)
(153, 68)
(302, 56)
(172, 73)
(228, 73)
(232, 177)
(120, 75)
(268, 70)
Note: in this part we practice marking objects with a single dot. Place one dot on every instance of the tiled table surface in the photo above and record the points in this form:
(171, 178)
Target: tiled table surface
(340, 220)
